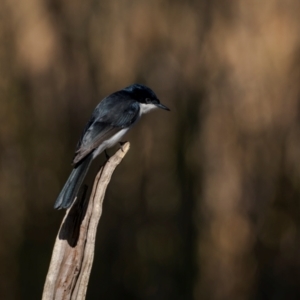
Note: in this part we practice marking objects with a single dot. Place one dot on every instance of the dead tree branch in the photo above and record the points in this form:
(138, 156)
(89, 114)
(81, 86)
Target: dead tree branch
(73, 252)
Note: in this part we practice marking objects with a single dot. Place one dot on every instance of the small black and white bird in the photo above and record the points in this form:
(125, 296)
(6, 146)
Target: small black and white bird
(111, 119)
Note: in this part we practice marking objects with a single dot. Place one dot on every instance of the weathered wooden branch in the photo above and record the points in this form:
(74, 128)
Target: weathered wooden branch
(73, 252)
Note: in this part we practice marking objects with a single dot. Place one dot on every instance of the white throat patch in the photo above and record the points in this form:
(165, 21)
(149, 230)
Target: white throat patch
(145, 108)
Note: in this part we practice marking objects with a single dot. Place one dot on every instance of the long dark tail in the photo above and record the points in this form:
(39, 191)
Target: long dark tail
(71, 187)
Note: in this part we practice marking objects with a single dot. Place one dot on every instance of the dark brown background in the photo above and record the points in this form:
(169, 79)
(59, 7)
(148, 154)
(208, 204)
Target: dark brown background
(206, 203)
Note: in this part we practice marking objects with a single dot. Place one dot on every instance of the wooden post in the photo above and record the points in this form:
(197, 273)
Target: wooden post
(73, 252)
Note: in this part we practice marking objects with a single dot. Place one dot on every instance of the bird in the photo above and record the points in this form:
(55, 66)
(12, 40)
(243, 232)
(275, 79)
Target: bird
(110, 121)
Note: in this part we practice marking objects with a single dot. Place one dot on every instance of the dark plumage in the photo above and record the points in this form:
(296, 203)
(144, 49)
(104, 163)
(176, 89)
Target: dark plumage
(111, 119)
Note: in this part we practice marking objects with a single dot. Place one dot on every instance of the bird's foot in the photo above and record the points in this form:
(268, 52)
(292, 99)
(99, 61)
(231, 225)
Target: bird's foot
(121, 145)
(106, 155)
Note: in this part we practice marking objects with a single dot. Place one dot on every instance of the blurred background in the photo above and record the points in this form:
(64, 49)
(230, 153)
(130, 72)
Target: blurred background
(206, 204)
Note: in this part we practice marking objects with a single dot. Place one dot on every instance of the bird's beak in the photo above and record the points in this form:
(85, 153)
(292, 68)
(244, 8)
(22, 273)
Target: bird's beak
(162, 106)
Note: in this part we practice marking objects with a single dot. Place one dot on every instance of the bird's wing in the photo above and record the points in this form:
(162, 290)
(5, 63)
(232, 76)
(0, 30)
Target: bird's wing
(94, 136)
(102, 126)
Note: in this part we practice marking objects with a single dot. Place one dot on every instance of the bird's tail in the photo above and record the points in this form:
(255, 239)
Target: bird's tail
(71, 187)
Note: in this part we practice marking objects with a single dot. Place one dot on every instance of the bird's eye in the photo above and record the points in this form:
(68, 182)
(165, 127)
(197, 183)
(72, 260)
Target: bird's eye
(147, 100)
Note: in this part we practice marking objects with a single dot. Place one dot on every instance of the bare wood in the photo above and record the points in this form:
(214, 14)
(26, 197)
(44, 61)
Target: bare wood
(73, 252)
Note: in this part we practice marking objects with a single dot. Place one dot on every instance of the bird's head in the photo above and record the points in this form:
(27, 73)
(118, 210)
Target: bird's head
(145, 96)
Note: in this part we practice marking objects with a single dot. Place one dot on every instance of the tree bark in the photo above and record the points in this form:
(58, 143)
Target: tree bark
(73, 252)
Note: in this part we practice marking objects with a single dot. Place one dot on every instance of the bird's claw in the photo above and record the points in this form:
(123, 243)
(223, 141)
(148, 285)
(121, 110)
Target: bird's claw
(106, 155)
(121, 145)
